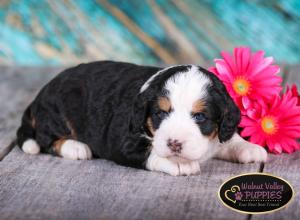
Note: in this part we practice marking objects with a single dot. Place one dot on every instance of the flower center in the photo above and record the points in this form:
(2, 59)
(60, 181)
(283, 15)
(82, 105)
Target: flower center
(269, 125)
(241, 86)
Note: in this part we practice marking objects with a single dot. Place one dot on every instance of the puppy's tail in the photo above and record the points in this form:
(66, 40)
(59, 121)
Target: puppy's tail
(26, 134)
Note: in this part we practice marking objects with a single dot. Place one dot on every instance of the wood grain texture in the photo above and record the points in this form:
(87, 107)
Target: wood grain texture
(47, 187)
(48, 32)
(287, 167)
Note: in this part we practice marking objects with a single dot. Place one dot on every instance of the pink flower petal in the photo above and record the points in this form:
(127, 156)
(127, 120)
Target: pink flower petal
(248, 131)
(262, 65)
(277, 149)
(246, 54)
(255, 59)
(237, 54)
(246, 121)
(246, 102)
(253, 114)
(228, 59)
(258, 139)
(213, 70)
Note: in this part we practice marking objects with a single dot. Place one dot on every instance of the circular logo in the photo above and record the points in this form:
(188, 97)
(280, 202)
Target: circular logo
(256, 193)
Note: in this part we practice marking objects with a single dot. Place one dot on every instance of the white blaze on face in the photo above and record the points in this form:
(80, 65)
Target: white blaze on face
(184, 89)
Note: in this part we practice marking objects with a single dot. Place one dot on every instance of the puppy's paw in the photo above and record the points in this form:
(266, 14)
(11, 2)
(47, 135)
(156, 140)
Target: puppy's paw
(173, 168)
(75, 150)
(30, 146)
(156, 163)
(190, 168)
(251, 153)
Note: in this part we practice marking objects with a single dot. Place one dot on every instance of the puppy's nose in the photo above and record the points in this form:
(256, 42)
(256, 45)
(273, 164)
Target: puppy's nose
(174, 145)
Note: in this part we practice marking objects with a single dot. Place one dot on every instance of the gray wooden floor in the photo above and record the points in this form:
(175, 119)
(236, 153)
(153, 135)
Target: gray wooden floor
(46, 187)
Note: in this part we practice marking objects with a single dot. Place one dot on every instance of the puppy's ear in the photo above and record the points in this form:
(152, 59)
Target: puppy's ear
(229, 121)
(230, 113)
(139, 113)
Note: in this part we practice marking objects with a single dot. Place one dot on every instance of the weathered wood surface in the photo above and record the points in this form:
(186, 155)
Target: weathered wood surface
(18, 87)
(150, 32)
(46, 187)
(287, 167)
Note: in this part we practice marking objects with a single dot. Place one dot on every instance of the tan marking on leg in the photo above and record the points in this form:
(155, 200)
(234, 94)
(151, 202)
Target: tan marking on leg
(72, 130)
(149, 125)
(33, 122)
(164, 104)
(198, 106)
(57, 145)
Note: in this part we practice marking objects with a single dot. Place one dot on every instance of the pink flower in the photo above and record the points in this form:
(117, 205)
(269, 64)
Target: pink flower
(248, 76)
(252, 81)
(275, 124)
(294, 91)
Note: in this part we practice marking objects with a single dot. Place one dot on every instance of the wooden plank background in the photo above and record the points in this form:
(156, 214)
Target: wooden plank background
(59, 32)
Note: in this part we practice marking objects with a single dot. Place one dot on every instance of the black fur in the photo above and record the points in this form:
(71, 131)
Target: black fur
(102, 103)
(223, 108)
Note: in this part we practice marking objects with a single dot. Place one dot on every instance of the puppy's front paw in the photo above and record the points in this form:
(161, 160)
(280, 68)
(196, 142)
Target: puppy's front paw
(191, 168)
(251, 153)
(165, 165)
(75, 150)
(156, 163)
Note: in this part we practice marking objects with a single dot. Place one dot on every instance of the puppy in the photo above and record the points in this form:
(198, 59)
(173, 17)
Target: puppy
(164, 120)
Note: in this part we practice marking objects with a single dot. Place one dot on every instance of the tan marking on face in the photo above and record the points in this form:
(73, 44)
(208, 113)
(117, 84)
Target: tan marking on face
(57, 145)
(149, 125)
(164, 104)
(213, 134)
(198, 106)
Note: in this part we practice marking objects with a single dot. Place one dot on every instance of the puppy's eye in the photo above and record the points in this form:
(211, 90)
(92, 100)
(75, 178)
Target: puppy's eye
(199, 117)
(162, 114)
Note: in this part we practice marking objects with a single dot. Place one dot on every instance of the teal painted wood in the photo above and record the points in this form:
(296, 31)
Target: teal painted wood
(49, 32)
(271, 25)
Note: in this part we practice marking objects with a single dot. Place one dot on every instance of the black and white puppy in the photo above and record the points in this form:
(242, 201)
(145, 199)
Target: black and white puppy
(165, 120)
